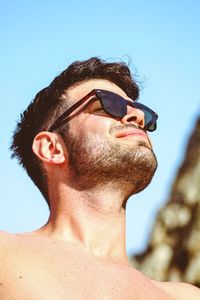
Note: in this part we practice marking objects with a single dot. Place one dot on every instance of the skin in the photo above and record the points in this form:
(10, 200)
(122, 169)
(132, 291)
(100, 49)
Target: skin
(80, 253)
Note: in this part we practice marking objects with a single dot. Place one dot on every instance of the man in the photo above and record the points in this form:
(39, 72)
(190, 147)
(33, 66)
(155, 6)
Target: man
(83, 140)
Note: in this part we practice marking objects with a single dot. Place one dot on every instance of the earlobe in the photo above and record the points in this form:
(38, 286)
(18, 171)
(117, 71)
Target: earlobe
(48, 148)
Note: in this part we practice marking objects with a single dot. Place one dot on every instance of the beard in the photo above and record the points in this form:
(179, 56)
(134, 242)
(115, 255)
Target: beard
(97, 160)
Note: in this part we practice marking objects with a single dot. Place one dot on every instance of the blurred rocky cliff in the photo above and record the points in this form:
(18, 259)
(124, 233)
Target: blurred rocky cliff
(173, 252)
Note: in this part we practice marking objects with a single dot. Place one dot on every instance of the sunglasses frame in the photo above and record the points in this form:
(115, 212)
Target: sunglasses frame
(97, 92)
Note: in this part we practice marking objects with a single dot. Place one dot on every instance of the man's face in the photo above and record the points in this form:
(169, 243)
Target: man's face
(102, 148)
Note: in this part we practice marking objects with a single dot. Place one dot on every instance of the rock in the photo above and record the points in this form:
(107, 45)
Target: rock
(173, 252)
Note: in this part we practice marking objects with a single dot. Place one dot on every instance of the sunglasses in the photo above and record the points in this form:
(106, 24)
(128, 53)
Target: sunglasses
(114, 105)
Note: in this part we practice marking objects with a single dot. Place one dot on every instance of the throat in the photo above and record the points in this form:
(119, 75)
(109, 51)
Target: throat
(94, 220)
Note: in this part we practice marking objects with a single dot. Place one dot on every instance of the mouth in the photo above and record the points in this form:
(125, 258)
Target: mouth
(130, 133)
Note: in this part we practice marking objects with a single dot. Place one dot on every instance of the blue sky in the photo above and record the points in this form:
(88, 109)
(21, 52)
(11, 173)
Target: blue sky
(41, 38)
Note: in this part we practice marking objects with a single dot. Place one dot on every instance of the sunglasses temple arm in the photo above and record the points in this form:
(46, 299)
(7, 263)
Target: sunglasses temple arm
(63, 117)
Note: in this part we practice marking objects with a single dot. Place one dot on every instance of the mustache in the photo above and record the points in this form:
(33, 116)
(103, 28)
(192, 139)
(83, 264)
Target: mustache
(123, 127)
(116, 128)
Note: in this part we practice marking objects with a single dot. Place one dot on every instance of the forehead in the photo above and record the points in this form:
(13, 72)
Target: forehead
(78, 91)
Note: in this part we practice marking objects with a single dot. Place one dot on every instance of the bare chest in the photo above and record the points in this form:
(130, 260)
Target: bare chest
(63, 275)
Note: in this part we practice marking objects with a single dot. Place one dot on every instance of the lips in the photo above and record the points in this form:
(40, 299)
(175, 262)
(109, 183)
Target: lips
(131, 132)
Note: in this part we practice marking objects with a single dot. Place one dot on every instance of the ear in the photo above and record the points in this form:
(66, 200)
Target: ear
(49, 148)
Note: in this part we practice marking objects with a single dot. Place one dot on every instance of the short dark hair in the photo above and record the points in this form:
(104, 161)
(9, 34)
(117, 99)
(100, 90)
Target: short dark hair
(50, 102)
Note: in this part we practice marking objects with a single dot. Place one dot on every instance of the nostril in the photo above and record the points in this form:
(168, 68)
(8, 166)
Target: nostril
(131, 119)
(136, 120)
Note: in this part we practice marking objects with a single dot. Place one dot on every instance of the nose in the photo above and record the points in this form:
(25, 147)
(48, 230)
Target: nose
(135, 116)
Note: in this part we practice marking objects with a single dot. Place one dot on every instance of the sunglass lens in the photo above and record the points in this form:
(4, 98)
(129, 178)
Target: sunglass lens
(113, 104)
(149, 116)
(116, 106)
(151, 126)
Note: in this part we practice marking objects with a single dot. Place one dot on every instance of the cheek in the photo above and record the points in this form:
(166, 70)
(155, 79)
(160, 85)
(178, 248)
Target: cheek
(93, 123)
(150, 141)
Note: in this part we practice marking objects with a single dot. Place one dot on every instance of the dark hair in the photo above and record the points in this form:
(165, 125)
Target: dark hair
(50, 102)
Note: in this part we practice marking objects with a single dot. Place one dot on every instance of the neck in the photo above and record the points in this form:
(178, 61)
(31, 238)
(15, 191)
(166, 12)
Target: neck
(94, 220)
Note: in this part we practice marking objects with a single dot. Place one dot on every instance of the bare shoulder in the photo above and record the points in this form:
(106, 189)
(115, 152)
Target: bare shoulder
(4, 235)
(7, 244)
(179, 290)
(12, 246)
(7, 251)
(5, 239)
